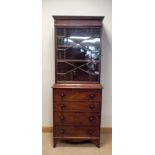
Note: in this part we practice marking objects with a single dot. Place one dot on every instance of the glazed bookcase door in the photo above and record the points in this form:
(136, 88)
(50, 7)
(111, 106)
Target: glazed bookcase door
(78, 55)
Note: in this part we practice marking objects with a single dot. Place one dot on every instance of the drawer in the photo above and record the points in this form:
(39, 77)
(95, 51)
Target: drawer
(69, 131)
(93, 106)
(76, 94)
(76, 118)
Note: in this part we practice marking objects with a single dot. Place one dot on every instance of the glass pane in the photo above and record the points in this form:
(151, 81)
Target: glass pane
(72, 76)
(80, 43)
(60, 54)
(82, 33)
(91, 68)
(78, 53)
(78, 71)
(60, 32)
(80, 75)
(63, 67)
(60, 41)
(93, 48)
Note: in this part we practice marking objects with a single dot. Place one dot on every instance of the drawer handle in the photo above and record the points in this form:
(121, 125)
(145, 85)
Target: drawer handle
(62, 131)
(62, 118)
(90, 132)
(62, 105)
(62, 94)
(91, 118)
(92, 96)
(91, 106)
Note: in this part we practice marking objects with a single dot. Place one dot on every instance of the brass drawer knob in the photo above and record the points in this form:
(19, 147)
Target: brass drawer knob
(62, 105)
(62, 94)
(91, 106)
(92, 96)
(62, 118)
(91, 118)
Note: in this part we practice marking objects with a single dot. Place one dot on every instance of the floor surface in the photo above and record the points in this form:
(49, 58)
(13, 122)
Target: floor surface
(76, 149)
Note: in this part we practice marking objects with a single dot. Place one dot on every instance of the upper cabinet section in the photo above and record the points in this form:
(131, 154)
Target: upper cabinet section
(78, 49)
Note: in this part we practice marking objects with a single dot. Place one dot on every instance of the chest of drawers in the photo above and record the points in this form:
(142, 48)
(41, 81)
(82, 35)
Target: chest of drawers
(77, 112)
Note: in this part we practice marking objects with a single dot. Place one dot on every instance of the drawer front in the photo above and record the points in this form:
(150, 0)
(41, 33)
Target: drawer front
(76, 118)
(93, 106)
(77, 94)
(64, 131)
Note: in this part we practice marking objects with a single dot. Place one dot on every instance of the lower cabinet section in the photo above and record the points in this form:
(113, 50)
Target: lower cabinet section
(76, 113)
